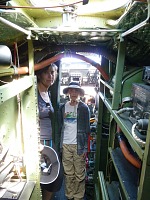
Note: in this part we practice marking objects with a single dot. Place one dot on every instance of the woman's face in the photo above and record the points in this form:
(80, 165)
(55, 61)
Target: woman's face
(47, 77)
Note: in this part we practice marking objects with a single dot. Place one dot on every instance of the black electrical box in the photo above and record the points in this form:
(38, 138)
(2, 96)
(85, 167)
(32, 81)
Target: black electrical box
(141, 101)
(146, 74)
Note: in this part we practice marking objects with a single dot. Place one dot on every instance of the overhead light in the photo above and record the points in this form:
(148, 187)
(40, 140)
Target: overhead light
(52, 3)
(93, 34)
(98, 38)
(84, 33)
(69, 16)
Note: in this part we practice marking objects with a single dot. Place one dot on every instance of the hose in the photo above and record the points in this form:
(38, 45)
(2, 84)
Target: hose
(24, 70)
(122, 110)
(134, 161)
(128, 155)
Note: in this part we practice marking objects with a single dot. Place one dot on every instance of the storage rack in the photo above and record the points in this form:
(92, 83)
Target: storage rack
(132, 183)
(130, 188)
(18, 127)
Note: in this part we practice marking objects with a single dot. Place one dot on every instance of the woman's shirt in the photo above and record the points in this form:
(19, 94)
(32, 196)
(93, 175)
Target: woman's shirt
(46, 111)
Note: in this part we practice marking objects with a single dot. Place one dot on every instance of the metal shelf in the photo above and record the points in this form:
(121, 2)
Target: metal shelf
(125, 126)
(10, 90)
(19, 190)
(128, 174)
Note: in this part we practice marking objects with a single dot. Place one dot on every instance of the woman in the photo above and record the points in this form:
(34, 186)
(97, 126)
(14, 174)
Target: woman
(46, 78)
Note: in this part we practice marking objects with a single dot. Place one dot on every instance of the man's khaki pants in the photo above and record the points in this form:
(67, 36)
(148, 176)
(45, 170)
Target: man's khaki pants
(74, 171)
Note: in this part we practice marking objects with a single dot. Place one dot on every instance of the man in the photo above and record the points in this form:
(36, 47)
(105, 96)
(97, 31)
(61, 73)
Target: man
(74, 124)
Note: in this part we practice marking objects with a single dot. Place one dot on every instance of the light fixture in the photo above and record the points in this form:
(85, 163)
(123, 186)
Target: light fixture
(69, 15)
(99, 38)
(84, 33)
(52, 3)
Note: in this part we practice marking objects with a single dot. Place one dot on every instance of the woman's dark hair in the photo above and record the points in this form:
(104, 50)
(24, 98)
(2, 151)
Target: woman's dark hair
(38, 72)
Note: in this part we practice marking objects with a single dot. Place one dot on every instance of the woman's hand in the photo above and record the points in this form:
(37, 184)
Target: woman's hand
(41, 147)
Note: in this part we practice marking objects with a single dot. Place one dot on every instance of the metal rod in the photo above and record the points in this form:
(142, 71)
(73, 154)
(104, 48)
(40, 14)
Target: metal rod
(140, 25)
(27, 32)
(62, 29)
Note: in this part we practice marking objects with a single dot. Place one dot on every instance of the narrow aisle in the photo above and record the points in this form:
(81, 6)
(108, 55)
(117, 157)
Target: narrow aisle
(60, 195)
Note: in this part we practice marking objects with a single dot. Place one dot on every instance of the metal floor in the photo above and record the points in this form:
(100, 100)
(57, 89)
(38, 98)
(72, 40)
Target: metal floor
(60, 195)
